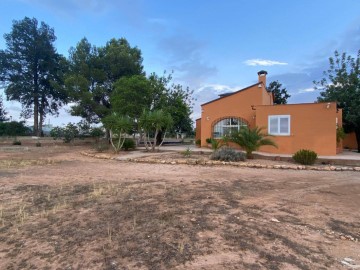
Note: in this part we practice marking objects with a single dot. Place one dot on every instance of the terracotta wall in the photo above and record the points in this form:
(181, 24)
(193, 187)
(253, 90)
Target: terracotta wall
(198, 129)
(350, 141)
(236, 105)
(312, 126)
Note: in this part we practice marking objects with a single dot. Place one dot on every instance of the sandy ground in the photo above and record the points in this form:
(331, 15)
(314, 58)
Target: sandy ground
(61, 210)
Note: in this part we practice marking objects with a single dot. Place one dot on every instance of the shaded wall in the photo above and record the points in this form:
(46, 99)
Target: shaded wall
(312, 126)
(350, 141)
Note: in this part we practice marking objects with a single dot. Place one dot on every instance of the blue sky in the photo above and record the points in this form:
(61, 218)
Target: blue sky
(212, 46)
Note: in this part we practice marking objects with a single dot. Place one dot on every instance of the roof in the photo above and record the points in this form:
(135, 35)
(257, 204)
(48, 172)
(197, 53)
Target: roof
(230, 94)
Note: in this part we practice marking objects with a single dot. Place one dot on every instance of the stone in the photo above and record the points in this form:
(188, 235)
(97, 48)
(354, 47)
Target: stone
(357, 169)
(275, 220)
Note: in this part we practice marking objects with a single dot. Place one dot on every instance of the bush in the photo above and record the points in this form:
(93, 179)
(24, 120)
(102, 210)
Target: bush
(38, 144)
(70, 132)
(198, 142)
(56, 133)
(14, 129)
(208, 140)
(102, 146)
(96, 133)
(187, 152)
(340, 134)
(16, 142)
(305, 157)
(227, 154)
(128, 144)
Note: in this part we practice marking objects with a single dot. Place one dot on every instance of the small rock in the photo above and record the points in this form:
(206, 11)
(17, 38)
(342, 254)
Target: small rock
(275, 220)
(173, 162)
(193, 220)
(357, 169)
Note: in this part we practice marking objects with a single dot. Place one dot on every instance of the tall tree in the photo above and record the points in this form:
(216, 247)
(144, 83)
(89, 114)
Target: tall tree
(3, 113)
(31, 70)
(341, 83)
(174, 99)
(280, 94)
(134, 94)
(93, 72)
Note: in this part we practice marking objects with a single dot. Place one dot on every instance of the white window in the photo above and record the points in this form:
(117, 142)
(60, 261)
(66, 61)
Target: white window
(227, 126)
(279, 125)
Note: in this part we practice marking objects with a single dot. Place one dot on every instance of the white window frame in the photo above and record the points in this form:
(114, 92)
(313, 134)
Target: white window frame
(278, 117)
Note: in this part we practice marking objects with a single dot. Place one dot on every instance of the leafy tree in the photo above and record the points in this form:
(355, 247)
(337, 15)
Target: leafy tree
(93, 72)
(96, 132)
(132, 95)
(14, 128)
(280, 94)
(153, 123)
(32, 70)
(251, 139)
(70, 132)
(118, 126)
(3, 113)
(341, 83)
(56, 133)
(175, 100)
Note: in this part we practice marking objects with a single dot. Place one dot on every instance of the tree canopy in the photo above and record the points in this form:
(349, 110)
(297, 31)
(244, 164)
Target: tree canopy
(280, 94)
(32, 71)
(3, 113)
(93, 72)
(341, 83)
(132, 95)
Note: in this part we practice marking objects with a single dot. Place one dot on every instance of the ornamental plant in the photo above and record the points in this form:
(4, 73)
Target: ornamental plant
(305, 157)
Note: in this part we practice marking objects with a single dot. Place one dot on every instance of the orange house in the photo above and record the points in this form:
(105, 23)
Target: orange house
(293, 126)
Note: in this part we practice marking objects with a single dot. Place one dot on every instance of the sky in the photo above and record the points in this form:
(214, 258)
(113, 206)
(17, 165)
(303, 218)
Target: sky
(212, 46)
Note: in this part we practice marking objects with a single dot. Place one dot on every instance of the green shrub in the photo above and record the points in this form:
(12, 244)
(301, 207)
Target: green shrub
(128, 144)
(56, 133)
(101, 146)
(38, 144)
(16, 142)
(187, 152)
(305, 157)
(97, 132)
(227, 154)
(208, 140)
(198, 142)
(14, 128)
(70, 132)
(340, 134)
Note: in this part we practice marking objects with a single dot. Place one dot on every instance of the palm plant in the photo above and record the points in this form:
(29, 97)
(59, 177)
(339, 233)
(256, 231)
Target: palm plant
(251, 139)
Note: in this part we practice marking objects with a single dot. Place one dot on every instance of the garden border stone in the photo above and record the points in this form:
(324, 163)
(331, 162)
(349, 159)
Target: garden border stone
(221, 163)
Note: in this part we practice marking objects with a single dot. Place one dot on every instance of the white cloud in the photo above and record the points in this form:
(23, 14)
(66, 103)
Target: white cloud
(263, 62)
(307, 90)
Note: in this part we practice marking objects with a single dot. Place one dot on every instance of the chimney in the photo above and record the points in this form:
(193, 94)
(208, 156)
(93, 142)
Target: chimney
(262, 76)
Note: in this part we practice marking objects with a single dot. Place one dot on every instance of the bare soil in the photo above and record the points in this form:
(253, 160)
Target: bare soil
(62, 210)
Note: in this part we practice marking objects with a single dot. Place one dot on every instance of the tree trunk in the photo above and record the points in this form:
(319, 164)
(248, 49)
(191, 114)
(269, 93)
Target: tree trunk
(36, 116)
(357, 135)
(41, 113)
(36, 100)
(159, 138)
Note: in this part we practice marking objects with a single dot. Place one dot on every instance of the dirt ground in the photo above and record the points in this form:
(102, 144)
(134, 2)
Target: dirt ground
(62, 210)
